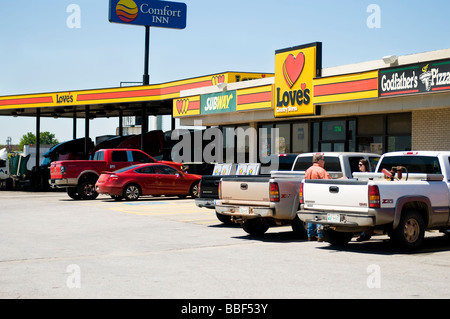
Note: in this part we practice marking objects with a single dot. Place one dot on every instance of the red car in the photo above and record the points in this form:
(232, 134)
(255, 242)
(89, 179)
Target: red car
(147, 179)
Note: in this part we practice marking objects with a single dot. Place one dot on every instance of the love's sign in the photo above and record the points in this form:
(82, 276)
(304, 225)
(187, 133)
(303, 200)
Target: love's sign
(295, 70)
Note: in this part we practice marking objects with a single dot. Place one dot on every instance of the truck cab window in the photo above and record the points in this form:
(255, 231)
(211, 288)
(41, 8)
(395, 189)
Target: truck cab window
(119, 156)
(332, 164)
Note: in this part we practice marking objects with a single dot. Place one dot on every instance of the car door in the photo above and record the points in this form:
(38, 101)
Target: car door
(168, 180)
(147, 179)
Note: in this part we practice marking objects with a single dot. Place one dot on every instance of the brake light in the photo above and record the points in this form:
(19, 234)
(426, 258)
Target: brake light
(274, 192)
(220, 190)
(113, 177)
(374, 196)
(300, 194)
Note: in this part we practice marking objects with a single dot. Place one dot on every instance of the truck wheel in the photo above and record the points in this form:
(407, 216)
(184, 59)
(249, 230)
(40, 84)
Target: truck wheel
(86, 189)
(336, 238)
(226, 219)
(299, 228)
(131, 192)
(410, 231)
(9, 184)
(256, 226)
(73, 193)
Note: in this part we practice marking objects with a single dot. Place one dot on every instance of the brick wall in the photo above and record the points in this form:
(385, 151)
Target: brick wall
(431, 130)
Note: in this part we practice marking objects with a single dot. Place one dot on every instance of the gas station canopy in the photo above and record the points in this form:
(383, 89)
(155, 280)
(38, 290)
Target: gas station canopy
(155, 99)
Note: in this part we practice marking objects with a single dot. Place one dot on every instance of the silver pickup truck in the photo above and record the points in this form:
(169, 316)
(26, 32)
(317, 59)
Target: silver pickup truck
(259, 202)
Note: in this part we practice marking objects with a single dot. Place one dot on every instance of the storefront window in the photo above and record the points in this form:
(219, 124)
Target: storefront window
(351, 136)
(384, 133)
(399, 124)
(284, 138)
(243, 143)
(371, 125)
(265, 140)
(334, 136)
(300, 138)
(228, 144)
(372, 144)
(398, 143)
(316, 136)
(333, 130)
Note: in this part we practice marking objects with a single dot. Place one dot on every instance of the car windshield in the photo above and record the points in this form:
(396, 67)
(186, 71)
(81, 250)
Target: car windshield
(125, 169)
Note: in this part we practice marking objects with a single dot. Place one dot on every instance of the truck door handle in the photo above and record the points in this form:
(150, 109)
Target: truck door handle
(334, 189)
(244, 186)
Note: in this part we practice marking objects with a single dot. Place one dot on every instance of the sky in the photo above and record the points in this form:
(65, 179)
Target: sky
(41, 52)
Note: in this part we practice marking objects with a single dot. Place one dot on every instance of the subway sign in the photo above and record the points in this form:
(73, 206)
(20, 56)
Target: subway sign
(214, 103)
(152, 13)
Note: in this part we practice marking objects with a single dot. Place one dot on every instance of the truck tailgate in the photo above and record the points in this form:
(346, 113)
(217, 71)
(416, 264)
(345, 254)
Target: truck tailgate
(335, 195)
(246, 189)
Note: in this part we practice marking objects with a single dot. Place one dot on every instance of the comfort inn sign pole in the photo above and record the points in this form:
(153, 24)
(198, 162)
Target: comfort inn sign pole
(148, 13)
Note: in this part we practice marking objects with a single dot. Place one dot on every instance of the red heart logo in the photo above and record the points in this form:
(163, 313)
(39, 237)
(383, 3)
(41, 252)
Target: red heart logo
(180, 106)
(292, 68)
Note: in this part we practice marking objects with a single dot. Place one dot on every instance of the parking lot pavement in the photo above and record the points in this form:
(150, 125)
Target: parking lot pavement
(55, 247)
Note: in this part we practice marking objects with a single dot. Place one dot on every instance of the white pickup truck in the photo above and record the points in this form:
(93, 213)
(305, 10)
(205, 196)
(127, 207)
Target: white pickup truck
(259, 202)
(407, 194)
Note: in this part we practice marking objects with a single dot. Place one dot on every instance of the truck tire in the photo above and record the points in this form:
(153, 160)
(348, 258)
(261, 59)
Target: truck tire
(86, 189)
(224, 219)
(73, 193)
(9, 184)
(299, 228)
(337, 238)
(410, 232)
(256, 226)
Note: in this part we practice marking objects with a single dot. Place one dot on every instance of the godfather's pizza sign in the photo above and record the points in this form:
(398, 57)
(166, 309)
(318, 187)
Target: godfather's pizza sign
(414, 79)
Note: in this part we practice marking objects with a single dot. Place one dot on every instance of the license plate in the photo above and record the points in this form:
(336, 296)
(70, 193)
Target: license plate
(244, 210)
(334, 218)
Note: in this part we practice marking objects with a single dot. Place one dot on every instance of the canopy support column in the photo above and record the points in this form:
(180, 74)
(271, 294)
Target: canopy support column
(38, 135)
(86, 131)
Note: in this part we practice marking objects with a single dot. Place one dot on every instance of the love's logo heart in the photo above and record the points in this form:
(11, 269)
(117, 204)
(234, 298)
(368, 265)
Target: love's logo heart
(182, 106)
(218, 79)
(292, 68)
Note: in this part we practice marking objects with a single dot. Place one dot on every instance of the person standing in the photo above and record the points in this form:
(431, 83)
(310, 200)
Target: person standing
(316, 171)
(364, 167)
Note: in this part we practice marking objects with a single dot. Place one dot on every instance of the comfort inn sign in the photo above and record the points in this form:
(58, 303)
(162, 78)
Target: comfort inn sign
(153, 13)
